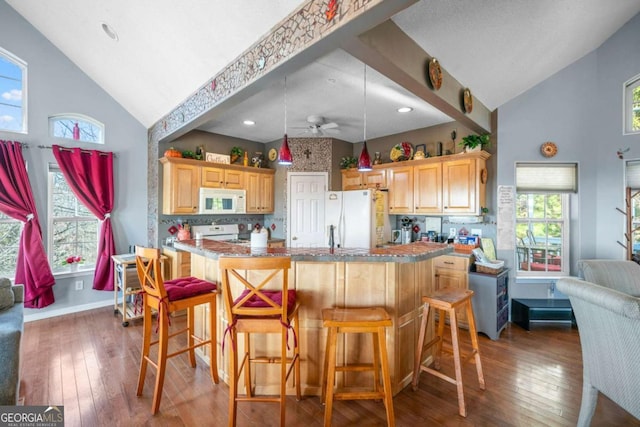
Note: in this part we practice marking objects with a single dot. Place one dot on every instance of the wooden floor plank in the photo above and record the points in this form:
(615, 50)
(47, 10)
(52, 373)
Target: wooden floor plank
(89, 363)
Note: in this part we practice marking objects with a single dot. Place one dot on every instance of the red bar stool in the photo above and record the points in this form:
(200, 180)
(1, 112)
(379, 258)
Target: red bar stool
(448, 300)
(357, 320)
(166, 298)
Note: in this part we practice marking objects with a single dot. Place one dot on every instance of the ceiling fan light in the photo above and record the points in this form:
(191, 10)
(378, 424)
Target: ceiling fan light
(404, 109)
(284, 157)
(364, 161)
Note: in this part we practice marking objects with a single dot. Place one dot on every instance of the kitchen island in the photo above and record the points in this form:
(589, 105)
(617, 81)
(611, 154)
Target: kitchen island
(395, 278)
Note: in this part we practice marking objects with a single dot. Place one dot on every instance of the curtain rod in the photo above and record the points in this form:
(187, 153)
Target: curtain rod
(81, 150)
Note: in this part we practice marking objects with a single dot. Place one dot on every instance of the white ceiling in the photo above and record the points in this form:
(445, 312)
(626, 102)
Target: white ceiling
(166, 50)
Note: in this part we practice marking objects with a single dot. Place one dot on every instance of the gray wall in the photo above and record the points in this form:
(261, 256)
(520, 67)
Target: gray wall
(56, 85)
(580, 108)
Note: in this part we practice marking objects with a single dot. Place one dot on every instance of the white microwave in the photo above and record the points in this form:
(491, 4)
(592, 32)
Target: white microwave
(217, 201)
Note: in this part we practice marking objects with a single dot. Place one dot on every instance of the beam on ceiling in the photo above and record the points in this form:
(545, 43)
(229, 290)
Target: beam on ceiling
(391, 52)
(354, 17)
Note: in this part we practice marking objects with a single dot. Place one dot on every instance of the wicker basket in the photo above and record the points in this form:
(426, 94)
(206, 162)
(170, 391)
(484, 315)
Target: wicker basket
(464, 249)
(492, 268)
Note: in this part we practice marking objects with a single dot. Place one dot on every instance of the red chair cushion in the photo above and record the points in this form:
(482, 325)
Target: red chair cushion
(185, 287)
(276, 296)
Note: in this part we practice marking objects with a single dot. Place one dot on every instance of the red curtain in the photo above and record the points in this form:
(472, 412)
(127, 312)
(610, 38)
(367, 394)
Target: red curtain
(16, 201)
(89, 174)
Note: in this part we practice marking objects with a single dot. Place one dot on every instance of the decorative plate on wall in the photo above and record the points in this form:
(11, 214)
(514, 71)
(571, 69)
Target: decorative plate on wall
(467, 100)
(435, 73)
(273, 154)
(549, 149)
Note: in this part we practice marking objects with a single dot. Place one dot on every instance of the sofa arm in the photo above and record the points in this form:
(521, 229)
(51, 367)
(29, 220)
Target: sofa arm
(607, 298)
(18, 293)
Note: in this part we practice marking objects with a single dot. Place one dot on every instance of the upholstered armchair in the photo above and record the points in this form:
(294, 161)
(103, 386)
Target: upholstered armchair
(11, 327)
(609, 324)
(623, 276)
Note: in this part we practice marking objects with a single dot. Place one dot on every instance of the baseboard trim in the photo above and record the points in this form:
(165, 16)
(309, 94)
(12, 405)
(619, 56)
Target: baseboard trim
(67, 310)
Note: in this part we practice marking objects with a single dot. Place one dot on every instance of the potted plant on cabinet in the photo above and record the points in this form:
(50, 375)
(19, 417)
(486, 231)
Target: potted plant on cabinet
(475, 142)
(348, 162)
(236, 152)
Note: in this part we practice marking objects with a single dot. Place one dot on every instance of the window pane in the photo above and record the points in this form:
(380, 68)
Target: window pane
(74, 230)
(10, 230)
(11, 98)
(636, 109)
(635, 223)
(76, 127)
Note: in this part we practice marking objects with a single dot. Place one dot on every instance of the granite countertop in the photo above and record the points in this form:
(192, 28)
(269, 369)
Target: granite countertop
(412, 252)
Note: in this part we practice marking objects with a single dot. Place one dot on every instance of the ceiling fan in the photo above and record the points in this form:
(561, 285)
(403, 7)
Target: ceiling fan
(317, 126)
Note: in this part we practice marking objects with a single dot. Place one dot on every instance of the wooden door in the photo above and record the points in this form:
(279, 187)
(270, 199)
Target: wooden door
(459, 187)
(400, 183)
(427, 193)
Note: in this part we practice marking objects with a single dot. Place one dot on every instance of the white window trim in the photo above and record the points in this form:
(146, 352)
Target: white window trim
(627, 105)
(23, 66)
(77, 117)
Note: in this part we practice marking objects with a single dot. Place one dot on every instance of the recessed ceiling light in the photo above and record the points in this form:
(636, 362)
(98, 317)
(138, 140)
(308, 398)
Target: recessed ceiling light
(404, 109)
(249, 122)
(110, 32)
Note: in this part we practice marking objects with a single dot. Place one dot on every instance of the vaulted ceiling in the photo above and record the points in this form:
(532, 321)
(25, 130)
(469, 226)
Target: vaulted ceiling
(166, 50)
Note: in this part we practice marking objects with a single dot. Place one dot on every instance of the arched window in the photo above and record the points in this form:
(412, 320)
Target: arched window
(13, 93)
(77, 127)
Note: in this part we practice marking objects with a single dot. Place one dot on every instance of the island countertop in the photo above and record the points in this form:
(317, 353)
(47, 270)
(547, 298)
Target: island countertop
(412, 252)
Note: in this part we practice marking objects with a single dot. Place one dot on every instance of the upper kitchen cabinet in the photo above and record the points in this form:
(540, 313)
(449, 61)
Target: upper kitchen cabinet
(259, 185)
(400, 183)
(215, 177)
(180, 187)
(352, 179)
(447, 185)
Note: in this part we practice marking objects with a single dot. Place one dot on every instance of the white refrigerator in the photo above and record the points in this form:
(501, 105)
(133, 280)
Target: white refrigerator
(360, 218)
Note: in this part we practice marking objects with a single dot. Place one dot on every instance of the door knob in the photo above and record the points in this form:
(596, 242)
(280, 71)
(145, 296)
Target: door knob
(294, 238)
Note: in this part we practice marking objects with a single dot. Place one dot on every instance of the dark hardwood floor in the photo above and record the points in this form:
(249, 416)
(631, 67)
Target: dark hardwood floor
(88, 362)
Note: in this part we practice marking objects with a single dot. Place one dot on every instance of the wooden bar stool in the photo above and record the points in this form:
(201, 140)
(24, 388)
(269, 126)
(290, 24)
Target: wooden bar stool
(257, 301)
(166, 298)
(357, 320)
(448, 300)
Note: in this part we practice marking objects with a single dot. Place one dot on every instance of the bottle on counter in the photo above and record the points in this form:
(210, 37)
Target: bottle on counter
(245, 161)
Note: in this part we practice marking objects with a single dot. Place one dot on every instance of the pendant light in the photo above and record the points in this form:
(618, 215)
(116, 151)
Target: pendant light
(364, 161)
(284, 157)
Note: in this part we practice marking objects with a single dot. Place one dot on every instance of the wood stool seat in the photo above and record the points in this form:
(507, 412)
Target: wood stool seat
(448, 301)
(257, 301)
(371, 320)
(166, 298)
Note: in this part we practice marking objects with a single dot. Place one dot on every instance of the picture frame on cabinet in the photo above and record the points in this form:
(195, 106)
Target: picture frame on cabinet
(218, 158)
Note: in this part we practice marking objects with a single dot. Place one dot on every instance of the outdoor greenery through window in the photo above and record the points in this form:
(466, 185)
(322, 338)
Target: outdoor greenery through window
(73, 229)
(542, 234)
(76, 127)
(10, 230)
(632, 105)
(13, 112)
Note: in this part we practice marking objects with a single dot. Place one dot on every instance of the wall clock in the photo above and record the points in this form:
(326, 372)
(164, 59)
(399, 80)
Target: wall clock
(549, 149)
(273, 154)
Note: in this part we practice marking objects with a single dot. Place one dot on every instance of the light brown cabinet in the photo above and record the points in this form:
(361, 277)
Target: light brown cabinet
(213, 177)
(259, 185)
(177, 264)
(400, 183)
(352, 179)
(447, 185)
(181, 183)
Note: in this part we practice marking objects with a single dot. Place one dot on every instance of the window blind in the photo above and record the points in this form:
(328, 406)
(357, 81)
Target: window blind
(547, 177)
(632, 174)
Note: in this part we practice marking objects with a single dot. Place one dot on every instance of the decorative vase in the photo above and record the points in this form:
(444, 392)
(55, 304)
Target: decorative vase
(234, 157)
(377, 160)
(73, 266)
(471, 150)
(184, 234)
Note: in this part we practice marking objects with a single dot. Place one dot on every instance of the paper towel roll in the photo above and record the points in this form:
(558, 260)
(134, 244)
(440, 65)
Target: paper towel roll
(259, 240)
